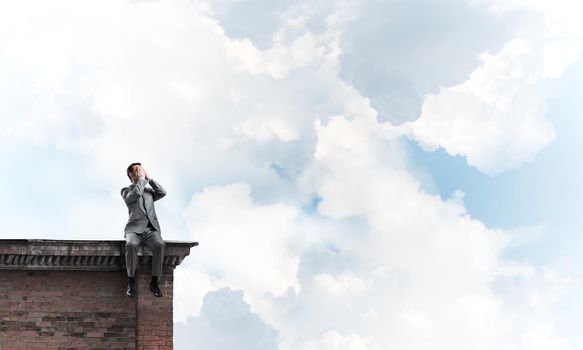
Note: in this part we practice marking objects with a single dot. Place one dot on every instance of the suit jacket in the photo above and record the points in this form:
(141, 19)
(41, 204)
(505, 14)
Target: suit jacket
(140, 202)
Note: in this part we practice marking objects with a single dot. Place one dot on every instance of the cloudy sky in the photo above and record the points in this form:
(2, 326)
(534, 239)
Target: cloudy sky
(360, 174)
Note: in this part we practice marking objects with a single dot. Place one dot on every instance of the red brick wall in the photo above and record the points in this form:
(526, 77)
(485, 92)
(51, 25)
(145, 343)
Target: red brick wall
(154, 324)
(82, 309)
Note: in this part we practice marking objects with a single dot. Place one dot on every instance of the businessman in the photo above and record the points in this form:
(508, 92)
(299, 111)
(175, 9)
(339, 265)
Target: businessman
(142, 225)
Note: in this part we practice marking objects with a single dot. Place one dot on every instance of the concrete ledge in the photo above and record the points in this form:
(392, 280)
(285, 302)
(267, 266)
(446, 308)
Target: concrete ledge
(41, 254)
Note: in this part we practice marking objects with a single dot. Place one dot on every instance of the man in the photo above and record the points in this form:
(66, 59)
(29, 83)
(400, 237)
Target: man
(142, 225)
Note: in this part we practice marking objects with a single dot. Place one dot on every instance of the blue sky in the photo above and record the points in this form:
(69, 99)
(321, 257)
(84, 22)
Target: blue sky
(542, 192)
(360, 174)
(543, 195)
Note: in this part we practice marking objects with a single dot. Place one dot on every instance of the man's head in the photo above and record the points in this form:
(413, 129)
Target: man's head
(132, 171)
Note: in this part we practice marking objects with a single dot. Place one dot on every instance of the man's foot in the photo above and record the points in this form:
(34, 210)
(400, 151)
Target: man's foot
(155, 289)
(131, 291)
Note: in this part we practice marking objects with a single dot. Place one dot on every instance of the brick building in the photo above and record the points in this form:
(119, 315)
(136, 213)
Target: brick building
(71, 294)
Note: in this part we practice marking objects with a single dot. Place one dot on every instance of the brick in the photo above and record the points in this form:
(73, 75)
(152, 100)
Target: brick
(61, 305)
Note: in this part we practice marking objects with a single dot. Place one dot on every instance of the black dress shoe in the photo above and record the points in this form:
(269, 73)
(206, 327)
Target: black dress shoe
(131, 291)
(155, 289)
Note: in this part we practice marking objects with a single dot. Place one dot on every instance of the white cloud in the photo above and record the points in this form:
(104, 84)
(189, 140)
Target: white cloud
(496, 118)
(380, 263)
(225, 323)
(430, 266)
(333, 340)
(278, 60)
(343, 284)
(160, 83)
(266, 131)
(191, 283)
(245, 244)
(396, 52)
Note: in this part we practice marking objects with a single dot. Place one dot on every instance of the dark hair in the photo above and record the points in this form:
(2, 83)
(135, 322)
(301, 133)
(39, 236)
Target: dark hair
(131, 168)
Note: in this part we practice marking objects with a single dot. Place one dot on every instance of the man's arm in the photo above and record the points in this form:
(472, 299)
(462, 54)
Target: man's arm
(134, 192)
(159, 191)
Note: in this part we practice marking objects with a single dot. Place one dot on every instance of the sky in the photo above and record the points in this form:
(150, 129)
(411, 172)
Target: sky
(360, 174)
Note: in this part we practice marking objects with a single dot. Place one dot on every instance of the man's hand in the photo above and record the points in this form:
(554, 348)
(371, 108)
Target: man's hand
(144, 173)
(139, 171)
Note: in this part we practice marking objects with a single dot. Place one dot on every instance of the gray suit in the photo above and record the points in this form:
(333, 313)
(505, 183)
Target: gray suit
(143, 224)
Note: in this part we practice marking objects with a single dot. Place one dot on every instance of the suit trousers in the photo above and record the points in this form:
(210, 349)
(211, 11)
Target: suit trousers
(152, 239)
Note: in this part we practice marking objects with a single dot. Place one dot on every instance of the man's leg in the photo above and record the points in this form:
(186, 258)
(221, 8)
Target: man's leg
(154, 240)
(132, 244)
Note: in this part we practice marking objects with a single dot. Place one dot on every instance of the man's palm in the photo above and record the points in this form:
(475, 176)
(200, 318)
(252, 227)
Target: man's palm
(145, 172)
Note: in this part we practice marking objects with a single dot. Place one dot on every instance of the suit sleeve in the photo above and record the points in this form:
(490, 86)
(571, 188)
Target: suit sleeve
(134, 192)
(159, 191)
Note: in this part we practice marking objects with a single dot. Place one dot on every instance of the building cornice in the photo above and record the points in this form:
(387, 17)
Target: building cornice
(43, 254)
